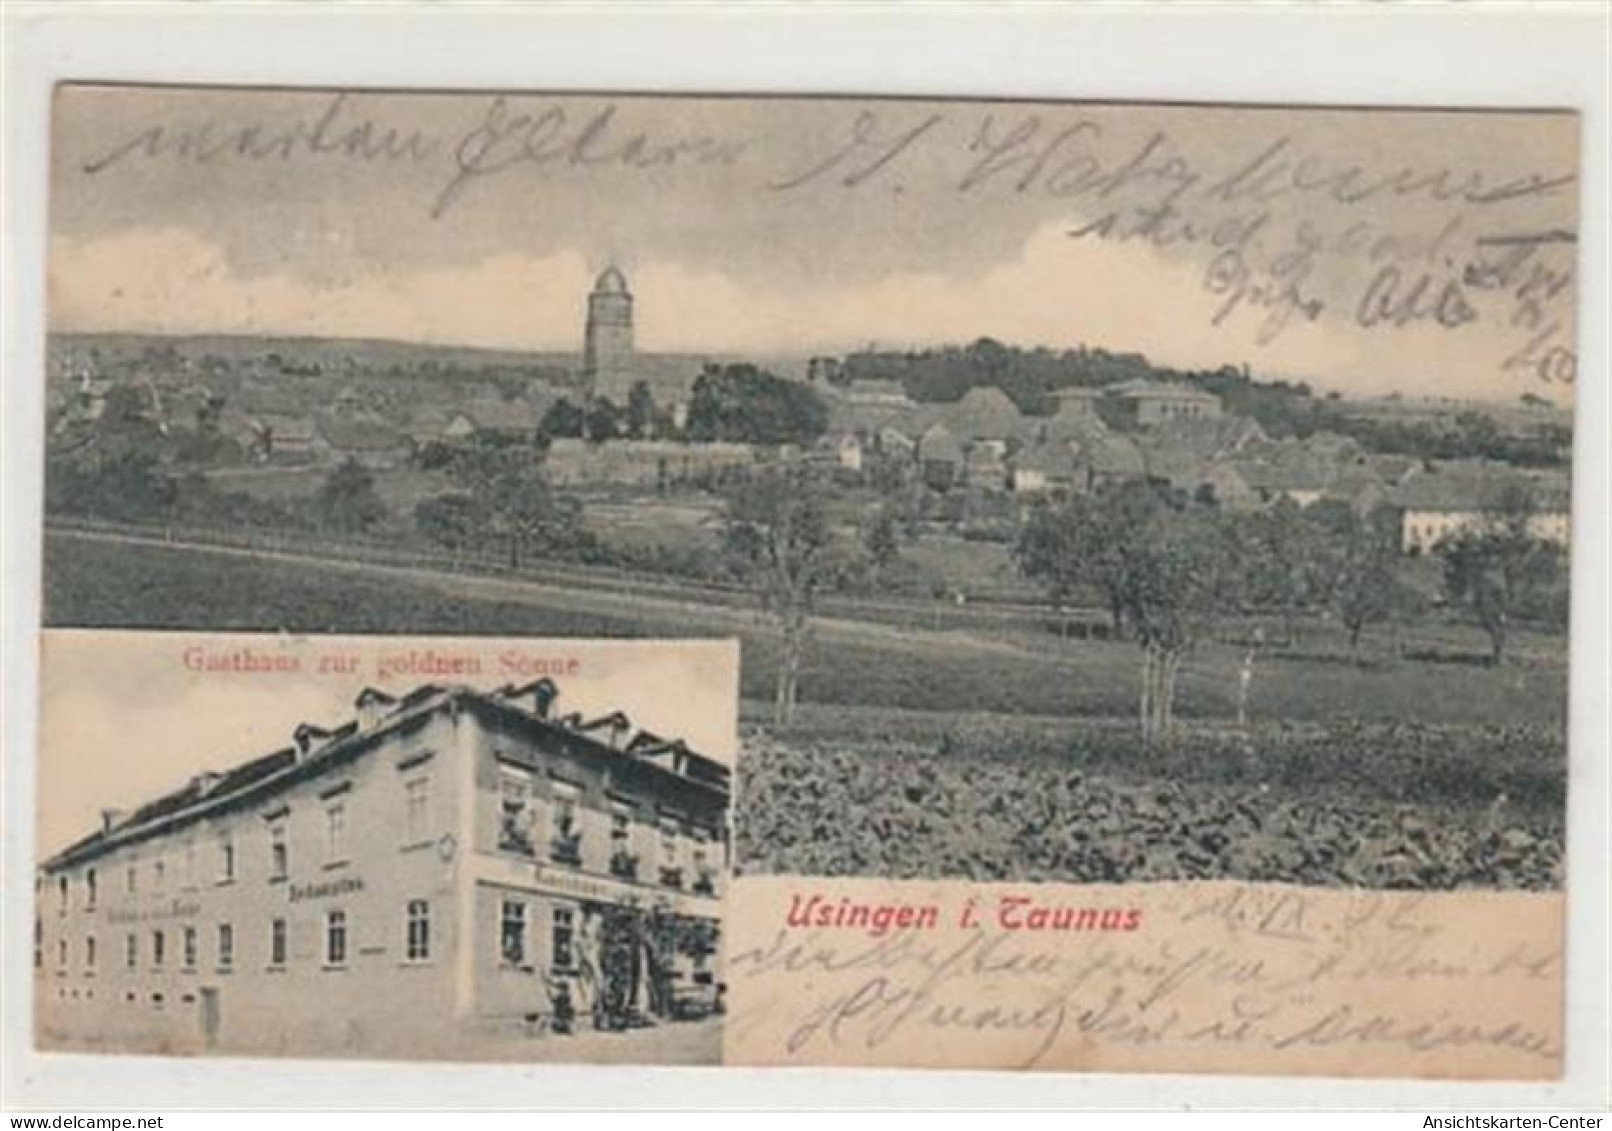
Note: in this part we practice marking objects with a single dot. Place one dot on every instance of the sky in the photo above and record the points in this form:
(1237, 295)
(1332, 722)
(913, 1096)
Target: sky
(124, 720)
(1368, 251)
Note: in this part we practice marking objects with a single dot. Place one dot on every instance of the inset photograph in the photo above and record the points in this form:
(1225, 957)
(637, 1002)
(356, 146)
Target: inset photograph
(347, 847)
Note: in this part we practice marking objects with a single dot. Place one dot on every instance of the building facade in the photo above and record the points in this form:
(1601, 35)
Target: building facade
(448, 866)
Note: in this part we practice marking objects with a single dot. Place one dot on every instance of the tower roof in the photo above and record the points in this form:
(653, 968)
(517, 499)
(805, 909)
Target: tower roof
(610, 282)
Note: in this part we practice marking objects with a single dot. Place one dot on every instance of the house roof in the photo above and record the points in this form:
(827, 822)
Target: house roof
(985, 412)
(323, 749)
(361, 435)
(938, 444)
(1140, 389)
(1047, 457)
(1462, 489)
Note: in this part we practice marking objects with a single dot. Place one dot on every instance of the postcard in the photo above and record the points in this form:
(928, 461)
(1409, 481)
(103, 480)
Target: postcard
(1144, 527)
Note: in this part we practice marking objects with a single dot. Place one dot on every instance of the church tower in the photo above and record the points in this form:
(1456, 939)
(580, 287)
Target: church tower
(607, 345)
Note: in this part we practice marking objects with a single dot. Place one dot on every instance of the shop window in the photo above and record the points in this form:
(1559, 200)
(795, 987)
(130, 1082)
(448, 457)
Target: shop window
(277, 943)
(515, 813)
(417, 810)
(336, 938)
(226, 946)
(417, 931)
(564, 938)
(512, 933)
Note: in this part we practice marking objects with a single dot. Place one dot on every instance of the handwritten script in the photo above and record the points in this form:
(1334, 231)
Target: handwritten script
(1224, 977)
(1286, 224)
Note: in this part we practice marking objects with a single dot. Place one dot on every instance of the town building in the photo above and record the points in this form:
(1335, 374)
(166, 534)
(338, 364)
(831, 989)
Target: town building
(447, 865)
(1438, 504)
(1143, 404)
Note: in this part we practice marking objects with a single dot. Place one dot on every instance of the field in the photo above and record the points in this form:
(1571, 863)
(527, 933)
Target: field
(1392, 805)
(90, 582)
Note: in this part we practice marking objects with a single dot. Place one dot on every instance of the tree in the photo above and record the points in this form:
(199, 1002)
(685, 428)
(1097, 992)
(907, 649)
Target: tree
(1085, 545)
(511, 496)
(603, 421)
(746, 405)
(641, 415)
(881, 539)
(454, 521)
(1362, 569)
(347, 500)
(1168, 566)
(1496, 567)
(778, 539)
(562, 420)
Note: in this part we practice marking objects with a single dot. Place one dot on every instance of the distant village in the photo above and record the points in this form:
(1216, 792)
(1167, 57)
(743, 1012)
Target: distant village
(619, 420)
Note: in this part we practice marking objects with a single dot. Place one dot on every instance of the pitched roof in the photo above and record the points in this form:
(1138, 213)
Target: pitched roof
(361, 435)
(985, 412)
(1463, 489)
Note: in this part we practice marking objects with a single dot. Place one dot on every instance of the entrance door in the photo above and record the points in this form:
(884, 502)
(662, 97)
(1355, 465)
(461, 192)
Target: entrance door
(210, 1017)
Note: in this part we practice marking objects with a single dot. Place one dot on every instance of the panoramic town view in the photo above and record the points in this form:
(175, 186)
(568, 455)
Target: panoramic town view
(1022, 581)
(1097, 493)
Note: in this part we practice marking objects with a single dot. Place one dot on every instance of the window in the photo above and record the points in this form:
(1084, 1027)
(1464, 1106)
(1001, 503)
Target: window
(512, 933)
(159, 875)
(279, 853)
(335, 938)
(671, 874)
(564, 934)
(190, 863)
(277, 943)
(189, 944)
(335, 832)
(566, 845)
(226, 860)
(157, 947)
(131, 951)
(416, 810)
(89, 890)
(89, 952)
(129, 880)
(623, 862)
(61, 952)
(704, 876)
(226, 946)
(61, 895)
(39, 942)
(417, 936)
(514, 813)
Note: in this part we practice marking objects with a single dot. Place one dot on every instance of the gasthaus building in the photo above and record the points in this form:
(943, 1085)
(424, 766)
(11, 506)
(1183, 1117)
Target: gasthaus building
(450, 864)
